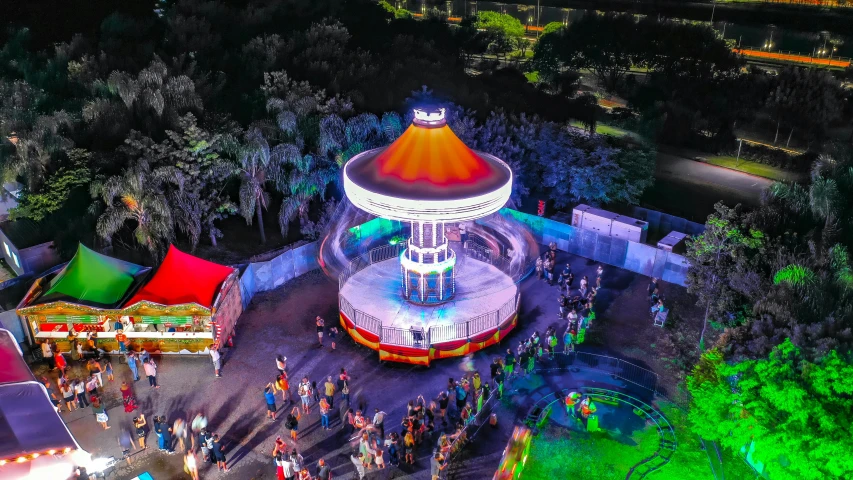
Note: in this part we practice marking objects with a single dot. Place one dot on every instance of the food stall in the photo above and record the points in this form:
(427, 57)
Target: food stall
(183, 307)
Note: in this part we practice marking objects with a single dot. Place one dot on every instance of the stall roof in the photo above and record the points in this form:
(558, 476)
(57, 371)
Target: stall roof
(28, 421)
(93, 279)
(181, 279)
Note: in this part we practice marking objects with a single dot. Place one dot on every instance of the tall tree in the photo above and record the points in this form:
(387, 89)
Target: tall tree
(135, 199)
(257, 168)
(792, 412)
(806, 98)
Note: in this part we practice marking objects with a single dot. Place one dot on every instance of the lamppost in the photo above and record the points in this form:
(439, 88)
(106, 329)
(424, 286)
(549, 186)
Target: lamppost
(739, 145)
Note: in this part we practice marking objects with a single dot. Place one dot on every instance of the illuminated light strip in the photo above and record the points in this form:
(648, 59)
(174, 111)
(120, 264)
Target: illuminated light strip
(451, 210)
(426, 268)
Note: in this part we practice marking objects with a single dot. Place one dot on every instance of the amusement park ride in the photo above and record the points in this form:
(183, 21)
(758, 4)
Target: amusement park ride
(433, 296)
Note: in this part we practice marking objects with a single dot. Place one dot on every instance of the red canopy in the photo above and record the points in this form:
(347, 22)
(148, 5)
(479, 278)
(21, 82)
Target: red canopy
(183, 278)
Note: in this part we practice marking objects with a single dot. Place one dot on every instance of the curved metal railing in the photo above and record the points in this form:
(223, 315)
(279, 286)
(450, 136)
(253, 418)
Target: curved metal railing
(414, 337)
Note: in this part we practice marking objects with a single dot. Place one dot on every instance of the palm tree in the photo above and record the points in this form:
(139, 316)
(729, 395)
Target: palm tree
(305, 180)
(36, 146)
(257, 167)
(136, 196)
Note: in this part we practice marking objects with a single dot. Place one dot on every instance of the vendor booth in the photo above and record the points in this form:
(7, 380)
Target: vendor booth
(185, 306)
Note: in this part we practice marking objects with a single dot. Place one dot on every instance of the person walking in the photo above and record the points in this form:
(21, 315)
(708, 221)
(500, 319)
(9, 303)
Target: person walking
(125, 441)
(80, 392)
(190, 465)
(564, 275)
(94, 368)
(329, 387)
(219, 453)
(348, 421)
(269, 395)
(180, 431)
(134, 368)
(324, 413)
(67, 392)
(61, 364)
(100, 413)
(216, 358)
(321, 326)
(198, 424)
(379, 422)
(151, 371)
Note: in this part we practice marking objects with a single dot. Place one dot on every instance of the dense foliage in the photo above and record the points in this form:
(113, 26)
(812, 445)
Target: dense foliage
(779, 280)
(163, 125)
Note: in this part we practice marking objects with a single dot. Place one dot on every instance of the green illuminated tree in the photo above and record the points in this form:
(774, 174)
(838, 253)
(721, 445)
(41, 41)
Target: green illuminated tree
(795, 412)
(501, 22)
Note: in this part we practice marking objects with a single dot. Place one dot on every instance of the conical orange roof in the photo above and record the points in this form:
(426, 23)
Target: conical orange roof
(428, 162)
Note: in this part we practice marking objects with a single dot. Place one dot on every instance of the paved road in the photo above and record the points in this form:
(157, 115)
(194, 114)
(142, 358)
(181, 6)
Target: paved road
(690, 189)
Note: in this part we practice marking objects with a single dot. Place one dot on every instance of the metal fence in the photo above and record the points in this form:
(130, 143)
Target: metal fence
(378, 254)
(418, 338)
(616, 367)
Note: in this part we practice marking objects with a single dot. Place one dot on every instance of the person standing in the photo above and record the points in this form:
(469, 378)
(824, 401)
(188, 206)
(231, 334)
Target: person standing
(158, 430)
(324, 413)
(100, 413)
(304, 391)
(357, 460)
(564, 275)
(563, 302)
(333, 335)
(134, 368)
(47, 353)
(343, 385)
(463, 233)
(282, 385)
(323, 470)
(598, 273)
(269, 395)
(121, 338)
(216, 358)
(292, 423)
(287, 467)
(151, 372)
(329, 387)
(61, 364)
(281, 364)
(218, 453)
(139, 427)
(167, 436)
(584, 284)
(540, 267)
(321, 326)
(509, 362)
(436, 465)
(379, 422)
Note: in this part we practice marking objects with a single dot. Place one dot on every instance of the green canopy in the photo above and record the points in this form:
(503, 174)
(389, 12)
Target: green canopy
(92, 278)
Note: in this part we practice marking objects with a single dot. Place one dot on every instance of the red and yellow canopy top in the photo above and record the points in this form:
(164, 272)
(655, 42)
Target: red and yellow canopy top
(428, 162)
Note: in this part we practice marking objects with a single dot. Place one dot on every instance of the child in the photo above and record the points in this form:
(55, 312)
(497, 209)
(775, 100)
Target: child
(380, 462)
(333, 333)
(109, 371)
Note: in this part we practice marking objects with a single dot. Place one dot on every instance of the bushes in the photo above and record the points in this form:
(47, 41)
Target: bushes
(774, 158)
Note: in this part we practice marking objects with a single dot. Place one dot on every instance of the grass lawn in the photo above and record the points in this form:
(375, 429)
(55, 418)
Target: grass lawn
(561, 453)
(754, 168)
(603, 129)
